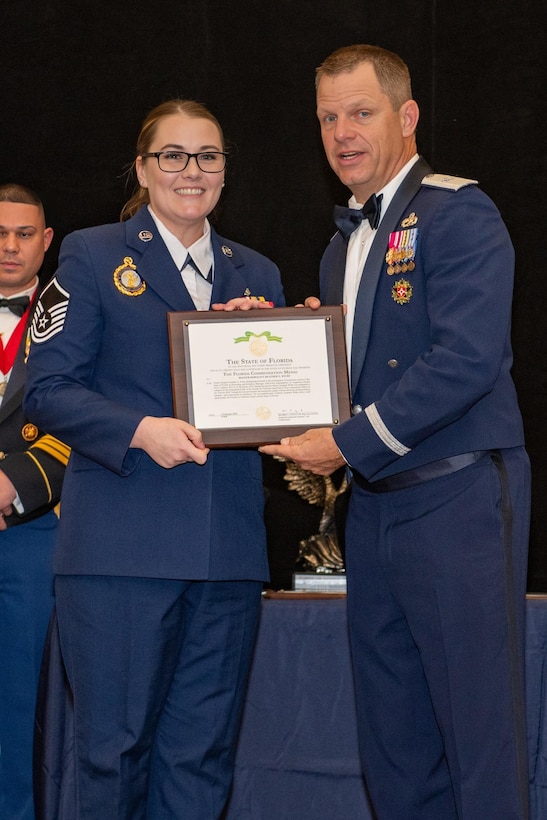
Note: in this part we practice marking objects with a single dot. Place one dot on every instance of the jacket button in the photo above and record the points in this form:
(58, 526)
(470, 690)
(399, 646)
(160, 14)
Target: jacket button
(356, 409)
(393, 363)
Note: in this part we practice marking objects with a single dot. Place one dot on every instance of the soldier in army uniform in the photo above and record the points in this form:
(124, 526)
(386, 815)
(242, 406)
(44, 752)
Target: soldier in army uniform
(32, 465)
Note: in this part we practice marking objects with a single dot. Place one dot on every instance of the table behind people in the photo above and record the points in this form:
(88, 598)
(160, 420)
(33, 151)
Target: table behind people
(162, 549)
(437, 527)
(31, 472)
(298, 734)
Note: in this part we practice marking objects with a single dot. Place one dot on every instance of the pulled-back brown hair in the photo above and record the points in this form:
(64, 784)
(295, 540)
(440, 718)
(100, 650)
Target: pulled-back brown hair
(189, 108)
(392, 72)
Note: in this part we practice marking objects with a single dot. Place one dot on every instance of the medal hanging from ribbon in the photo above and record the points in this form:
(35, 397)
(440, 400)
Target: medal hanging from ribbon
(401, 251)
(9, 352)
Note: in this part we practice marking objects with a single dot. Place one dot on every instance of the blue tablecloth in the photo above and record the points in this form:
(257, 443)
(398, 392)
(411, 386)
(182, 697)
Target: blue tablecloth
(297, 756)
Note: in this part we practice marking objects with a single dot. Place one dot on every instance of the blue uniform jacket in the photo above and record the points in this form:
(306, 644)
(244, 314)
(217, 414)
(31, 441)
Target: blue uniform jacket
(100, 374)
(431, 350)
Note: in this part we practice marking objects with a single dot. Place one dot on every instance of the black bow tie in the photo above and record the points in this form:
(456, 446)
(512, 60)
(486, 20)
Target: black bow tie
(17, 305)
(349, 219)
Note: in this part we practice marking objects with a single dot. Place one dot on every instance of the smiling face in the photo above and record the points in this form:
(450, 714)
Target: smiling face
(182, 200)
(366, 141)
(24, 239)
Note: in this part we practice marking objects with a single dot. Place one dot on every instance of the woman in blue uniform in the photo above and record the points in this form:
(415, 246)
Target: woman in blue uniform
(162, 549)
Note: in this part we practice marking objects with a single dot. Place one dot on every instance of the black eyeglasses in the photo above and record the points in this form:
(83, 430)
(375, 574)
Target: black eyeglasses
(173, 162)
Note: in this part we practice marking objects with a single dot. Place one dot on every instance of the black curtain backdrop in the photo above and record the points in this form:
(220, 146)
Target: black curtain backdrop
(77, 80)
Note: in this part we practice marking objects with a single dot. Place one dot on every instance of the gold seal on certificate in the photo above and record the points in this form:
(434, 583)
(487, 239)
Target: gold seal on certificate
(246, 378)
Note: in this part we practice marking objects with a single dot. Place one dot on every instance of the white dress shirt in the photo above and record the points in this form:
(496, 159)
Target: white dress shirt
(359, 245)
(201, 252)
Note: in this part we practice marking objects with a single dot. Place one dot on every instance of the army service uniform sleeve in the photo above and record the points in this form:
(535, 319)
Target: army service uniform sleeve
(37, 472)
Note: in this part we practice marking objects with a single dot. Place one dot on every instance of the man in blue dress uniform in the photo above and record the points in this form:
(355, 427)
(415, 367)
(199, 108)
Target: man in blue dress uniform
(437, 527)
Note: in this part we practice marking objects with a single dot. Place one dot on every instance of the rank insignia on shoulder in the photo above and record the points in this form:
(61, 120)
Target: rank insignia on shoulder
(401, 291)
(127, 280)
(50, 312)
(227, 251)
(449, 183)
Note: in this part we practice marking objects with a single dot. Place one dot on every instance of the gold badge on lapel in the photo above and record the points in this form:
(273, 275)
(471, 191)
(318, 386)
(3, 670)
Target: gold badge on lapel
(227, 251)
(127, 280)
(402, 291)
(145, 236)
(29, 432)
(410, 221)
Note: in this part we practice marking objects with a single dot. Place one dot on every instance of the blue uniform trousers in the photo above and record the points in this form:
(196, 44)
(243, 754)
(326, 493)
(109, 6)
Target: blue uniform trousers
(158, 673)
(26, 599)
(436, 602)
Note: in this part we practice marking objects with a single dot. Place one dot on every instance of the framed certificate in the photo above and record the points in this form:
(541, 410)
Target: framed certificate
(246, 378)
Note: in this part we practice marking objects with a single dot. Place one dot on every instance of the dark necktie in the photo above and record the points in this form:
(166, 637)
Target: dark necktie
(348, 219)
(190, 261)
(17, 305)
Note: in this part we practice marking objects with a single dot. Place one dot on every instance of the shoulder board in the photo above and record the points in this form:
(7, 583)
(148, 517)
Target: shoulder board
(447, 182)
